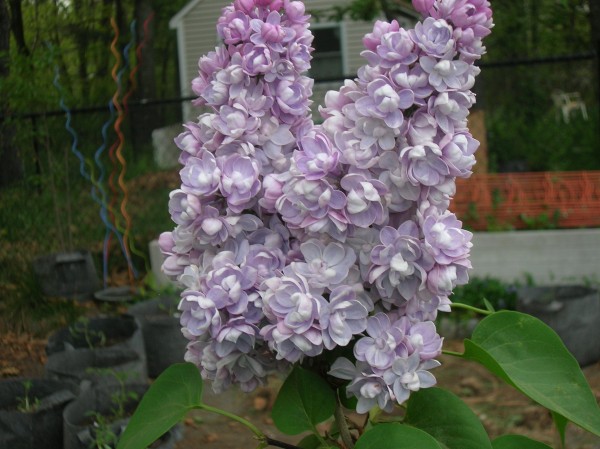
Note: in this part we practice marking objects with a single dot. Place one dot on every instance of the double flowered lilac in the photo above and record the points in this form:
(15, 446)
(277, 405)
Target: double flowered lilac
(466, 14)
(183, 207)
(200, 176)
(239, 182)
(450, 109)
(313, 205)
(318, 157)
(344, 317)
(199, 314)
(372, 40)
(296, 309)
(292, 98)
(270, 32)
(458, 153)
(445, 239)
(209, 65)
(409, 374)
(236, 334)
(366, 200)
(228, 285)
(434, 37)
(233, 26)
(257, 59)
(414, 80)
(293, 239)
(396, 48)
(324, 265)
(267, 262)
(384, 102)
(423, 164)
(385, 342)
(234, 122)
(399, 262)
(447, 74)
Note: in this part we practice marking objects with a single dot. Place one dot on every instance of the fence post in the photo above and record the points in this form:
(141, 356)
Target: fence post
(36, 145)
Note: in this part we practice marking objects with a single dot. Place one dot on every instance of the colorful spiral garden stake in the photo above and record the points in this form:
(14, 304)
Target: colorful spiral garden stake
(115, 151)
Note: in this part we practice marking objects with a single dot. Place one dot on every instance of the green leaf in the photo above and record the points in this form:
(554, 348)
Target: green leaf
(446, 418)
(304, 400)
(310, 442)
(560, 422)
(517, 442)
(313, 442)
(176, 391)
(396, 436)
(529, 355)
(488, 305)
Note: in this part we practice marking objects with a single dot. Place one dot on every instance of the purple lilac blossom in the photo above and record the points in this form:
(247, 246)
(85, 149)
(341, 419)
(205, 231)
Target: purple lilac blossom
(344, 317)
(384, 343)
(434, 37)
(385, 103)
(399, 262)
(409, 374)
(200, 175)
(324, 265)
(317, 157)
(239, 182)
(292, 239)
(366, 200)
(296, 309)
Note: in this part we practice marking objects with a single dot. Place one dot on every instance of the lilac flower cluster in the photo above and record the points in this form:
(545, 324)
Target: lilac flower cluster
(293, 239)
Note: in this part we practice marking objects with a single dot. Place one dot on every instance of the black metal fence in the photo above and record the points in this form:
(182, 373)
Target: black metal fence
(527, 126)
(541, 114)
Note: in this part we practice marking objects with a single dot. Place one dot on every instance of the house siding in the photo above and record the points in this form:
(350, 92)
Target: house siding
(200, 35)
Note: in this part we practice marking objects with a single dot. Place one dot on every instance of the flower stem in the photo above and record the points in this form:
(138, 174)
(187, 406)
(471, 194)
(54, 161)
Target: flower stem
(340, 419)
(458, 305)
(454, 353)
(265, 440)
(261, 436)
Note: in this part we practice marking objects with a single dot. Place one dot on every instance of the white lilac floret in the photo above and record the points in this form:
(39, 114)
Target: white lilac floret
(293, 239)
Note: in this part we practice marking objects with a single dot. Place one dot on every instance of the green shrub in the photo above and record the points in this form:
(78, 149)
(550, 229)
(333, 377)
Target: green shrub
(499, 294)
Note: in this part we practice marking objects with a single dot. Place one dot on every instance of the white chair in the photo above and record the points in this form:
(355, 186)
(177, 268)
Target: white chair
(566, 102)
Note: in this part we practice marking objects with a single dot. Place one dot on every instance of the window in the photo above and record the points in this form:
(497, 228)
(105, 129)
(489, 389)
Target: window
(327, 62)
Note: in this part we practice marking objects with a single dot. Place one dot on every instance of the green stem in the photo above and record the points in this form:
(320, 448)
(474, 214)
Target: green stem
(261, 436)
(454, 353)
(340, 419)
(264, 440)
(458, 305)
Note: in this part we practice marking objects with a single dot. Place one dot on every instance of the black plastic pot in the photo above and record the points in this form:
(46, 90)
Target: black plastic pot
(164, 342)
(70, 275)
(102, 366)
(116, 332)
(573, 311)
(116, 295)
(42, 427)
(80, 431)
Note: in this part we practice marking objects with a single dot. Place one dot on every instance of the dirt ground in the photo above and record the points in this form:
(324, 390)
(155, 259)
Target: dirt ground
(502, 409)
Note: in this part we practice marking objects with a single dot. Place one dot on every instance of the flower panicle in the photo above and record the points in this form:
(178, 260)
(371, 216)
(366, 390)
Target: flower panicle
(293, 238)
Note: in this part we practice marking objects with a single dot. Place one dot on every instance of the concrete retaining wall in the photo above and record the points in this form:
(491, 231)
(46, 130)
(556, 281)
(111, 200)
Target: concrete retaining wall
(549, 257)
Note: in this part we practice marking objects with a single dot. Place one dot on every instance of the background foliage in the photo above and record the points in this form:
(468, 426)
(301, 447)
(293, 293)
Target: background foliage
(524, 131)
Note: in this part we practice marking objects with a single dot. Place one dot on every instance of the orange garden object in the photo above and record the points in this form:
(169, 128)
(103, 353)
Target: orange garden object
(500, 201)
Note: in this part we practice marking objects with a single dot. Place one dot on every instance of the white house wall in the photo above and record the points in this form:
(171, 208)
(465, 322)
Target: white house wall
(200, 36)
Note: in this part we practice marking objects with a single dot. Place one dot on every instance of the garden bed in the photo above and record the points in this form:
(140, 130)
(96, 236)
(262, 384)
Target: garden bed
(501, 408)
